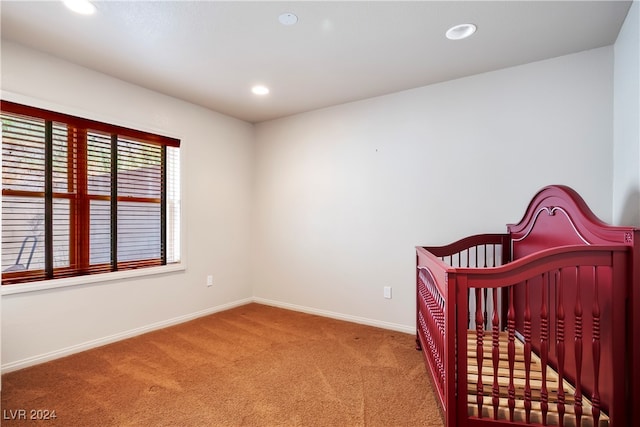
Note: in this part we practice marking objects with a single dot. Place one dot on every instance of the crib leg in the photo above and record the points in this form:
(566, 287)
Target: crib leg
(418, 345)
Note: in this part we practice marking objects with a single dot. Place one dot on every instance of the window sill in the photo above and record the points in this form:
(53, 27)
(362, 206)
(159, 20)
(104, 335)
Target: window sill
(90, 279)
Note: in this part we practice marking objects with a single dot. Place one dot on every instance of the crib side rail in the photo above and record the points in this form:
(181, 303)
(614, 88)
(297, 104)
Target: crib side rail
(567, 306)
(430, 329)
(481, 250)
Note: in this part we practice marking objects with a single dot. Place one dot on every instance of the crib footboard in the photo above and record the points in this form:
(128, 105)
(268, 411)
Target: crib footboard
(566, 313)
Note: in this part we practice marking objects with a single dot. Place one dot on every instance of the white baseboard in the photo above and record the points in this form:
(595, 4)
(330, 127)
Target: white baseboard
(41, 358)
(339, 316)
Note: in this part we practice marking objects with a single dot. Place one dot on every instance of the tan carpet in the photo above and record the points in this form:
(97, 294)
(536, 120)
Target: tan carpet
(254, 365)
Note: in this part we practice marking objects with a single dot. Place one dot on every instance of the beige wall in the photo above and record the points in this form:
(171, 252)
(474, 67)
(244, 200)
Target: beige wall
(344, 194)
(626, 177)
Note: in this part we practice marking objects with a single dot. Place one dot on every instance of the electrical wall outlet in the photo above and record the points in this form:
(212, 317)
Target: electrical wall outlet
(209, 280)
(387, 292)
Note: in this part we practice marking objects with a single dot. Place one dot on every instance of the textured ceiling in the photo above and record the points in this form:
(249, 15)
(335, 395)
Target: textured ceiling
(210, 53)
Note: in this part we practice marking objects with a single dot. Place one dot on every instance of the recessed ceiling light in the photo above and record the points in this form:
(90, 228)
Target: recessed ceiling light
(260, 90)
(461, 31)
(83, 7)
(288, 18)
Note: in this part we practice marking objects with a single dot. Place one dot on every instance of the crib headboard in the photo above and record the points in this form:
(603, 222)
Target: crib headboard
(558, 216)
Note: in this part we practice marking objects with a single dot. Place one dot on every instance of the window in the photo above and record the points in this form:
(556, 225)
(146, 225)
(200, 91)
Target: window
(84, 197)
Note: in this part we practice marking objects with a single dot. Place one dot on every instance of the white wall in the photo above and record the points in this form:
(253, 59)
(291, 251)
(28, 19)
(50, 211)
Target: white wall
(626, 178)
(345, 193)
(217, 153)
(319, 211)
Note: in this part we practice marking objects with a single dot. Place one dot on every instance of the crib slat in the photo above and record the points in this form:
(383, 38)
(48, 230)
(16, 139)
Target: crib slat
(560, 346)
(511, 327)
(578, 349)
(495, 354)
(469, 308)
(595, 398)
(486, 314)
(544, 337)
(494, 255)
(479, 347)
(527, 353)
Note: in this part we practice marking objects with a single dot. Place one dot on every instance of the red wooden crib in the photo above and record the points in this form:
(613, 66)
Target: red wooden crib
(535, 326)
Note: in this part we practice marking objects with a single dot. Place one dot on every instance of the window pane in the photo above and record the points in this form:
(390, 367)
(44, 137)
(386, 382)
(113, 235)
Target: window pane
(63, 182)
(173, 204)
(139, 177)
(138, 231)
(99, 163)
(100, 232)
(61, 233)
(22, 233)
(22, 153)
(139, 169)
